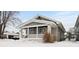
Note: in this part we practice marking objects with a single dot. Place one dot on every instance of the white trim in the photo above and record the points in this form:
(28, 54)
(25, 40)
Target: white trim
(7, 36)
(37, 32)
(35, 26)
(29, 21)
(49, 29)
(32, 38)
(20, 34)
(28, 32)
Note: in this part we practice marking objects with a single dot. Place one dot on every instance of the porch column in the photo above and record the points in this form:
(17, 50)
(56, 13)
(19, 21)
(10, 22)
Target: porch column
(49, 29)
(7, 36)
(28, 32)
(25, 33)
(37, 32)
(20, 34)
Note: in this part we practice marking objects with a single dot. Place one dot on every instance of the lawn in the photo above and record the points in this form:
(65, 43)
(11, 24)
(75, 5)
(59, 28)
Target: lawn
(36, 43)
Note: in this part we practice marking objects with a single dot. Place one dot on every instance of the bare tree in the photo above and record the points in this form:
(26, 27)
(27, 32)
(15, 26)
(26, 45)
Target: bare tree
(5, 18)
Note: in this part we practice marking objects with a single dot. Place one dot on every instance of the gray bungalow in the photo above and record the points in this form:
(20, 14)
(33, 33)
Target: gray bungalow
(35, 28)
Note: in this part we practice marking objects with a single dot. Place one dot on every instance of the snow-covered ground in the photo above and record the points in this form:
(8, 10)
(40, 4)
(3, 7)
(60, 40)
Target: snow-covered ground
(36, 43)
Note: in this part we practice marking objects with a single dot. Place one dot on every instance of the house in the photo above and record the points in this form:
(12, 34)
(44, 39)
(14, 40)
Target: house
(70, 34)
(35, 28)
(77, 29)
(8, 35)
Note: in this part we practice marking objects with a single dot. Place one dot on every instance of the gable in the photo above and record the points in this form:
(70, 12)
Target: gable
(33, 23)
(36, 19)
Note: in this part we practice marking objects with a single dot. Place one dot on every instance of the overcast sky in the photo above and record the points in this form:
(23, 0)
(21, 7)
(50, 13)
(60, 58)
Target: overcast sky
(68, 18)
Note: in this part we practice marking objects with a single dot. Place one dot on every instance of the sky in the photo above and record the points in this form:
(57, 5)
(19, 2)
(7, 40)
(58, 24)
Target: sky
(68, 18)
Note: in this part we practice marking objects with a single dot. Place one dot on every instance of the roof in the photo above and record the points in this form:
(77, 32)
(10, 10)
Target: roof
(59, 24)
(77, 22)
(9, 33)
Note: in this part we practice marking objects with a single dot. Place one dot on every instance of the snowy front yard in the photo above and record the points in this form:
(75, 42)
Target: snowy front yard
(36, 43)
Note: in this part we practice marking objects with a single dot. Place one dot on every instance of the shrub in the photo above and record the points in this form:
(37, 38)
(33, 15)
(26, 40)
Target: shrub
(49, 38)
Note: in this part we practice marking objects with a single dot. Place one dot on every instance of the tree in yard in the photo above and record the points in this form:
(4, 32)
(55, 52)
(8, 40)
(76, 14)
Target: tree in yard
(5, 18)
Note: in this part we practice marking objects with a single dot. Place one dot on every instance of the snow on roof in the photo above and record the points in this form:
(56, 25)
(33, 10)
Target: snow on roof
(11, 33)
(48, 19)
(58, 23)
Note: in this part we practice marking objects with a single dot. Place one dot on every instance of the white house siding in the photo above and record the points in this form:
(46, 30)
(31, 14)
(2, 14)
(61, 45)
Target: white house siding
(54, 31)
(61, 35)
(35, 36)
(32, 35)
(40, 35)
(57, 34)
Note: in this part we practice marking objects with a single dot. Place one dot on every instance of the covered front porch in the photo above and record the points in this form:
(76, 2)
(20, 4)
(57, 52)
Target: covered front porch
(33, 32)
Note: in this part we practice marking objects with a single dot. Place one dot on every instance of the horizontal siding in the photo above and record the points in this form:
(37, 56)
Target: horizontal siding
(35, 35)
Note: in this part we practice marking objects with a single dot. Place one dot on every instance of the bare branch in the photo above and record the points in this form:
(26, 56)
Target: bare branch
(5, 18)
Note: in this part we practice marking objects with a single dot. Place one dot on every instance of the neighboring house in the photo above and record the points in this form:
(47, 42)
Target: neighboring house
(77, 28)
(8, 35)
(35, 28)
(72, 32)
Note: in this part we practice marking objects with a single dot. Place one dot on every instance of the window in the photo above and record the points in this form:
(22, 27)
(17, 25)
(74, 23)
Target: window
(42, 29)
(32, 30)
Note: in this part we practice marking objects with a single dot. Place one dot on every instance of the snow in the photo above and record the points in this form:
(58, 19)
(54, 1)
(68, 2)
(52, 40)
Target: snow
(36, 43)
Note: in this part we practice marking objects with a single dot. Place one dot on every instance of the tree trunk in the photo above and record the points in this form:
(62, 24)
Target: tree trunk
(0, 30)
